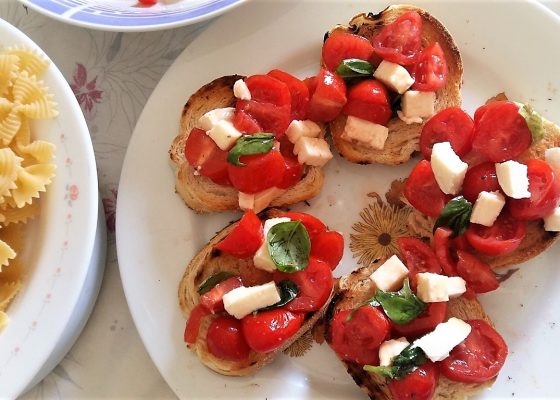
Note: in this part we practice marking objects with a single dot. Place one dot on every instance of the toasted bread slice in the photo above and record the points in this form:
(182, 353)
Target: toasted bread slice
(353, 290)
(199, 192)
(403, 139)
(210, 261)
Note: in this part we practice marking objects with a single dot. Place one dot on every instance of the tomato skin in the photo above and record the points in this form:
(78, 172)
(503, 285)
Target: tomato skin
(213, 300)
(418, 257)
(358, 340)
(266, 89)
(479, 358)
(477, 274)
(503, 237)
(313, 225)
(299, 93)
(225, 339)
(147, 2)
(418, 385)
(268, 330)
(261, 171)
(198, 147)
(192, 326)
(271, 118)
(342, 46)
(328, 97)
(216, 167)
(481, 177)
(426, 322)
(293, 173)
(442, 244)
(400, 42)
(246, 124)
(328, 247)
(422, 190)
(430, 69)
(369, 100)
(245, 239)
(451, 125)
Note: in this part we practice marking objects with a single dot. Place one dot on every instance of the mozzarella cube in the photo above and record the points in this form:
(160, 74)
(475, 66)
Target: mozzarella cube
(390, 275)
(418, 104)
(513, 179)
(434, 288)
(456, 286)
(259, 201)
(298, 129)
(390, 349)
(438, 343)
(394, 76)
(241, 91)
(242, 301)
(262, 259)
(212, 117)
(552, 221)
(246, 201)
(449, 170)
(366, 132)
(224, 134)
(408, 120)
(312, 151)
(487, 207)
(552, 157)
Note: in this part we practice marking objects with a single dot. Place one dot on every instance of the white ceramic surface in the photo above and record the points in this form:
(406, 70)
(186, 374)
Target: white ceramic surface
(157, 234)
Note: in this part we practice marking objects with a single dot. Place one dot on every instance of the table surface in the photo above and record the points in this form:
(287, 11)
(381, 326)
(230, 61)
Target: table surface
(112, 74)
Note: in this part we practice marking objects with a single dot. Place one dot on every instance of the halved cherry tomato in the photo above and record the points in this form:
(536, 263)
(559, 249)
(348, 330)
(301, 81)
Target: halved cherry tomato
(418, 257)
(476, 273)
(342, 46)
(400, 42)
(315, 285)
(442, 245)
(272, 119)
(481, 177)
(225, 339)
(426, 322)
(198, 147)
(503, 237)
(299, 93)
(311, 83)
(418, 385)
(313, 225)
(268, 330)
(266, 89)
(147, 2)
(216, 167)
(500, 132)
(261, 171)
(358, 340)
(369, 100)
(192, 326)
(430, 69)
(422, 190)
(245, 239)
(328, 97)
(479, 358)
(451, 125)
(246, 124)
(213, 299)
(544, 186)
(328, 247)
(292, 173)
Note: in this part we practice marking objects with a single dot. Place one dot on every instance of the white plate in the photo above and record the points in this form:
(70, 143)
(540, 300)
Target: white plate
(157, 235)
(61, 240)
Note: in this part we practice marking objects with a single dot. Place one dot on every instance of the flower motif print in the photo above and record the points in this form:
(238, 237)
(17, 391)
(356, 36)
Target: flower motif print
(110, 205)
(86, 92)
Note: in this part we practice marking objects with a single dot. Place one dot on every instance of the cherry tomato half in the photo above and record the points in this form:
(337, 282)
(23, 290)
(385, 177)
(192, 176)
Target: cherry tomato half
(342, 46)
(430, 69)
(261, 171)
(477, 274)
(213, 299)
(369, 100)
(442, 246)
(313, 225)
(328, 97)
(503, 237)
(198, 147)
(268, 330)
(225, 339)
(299, 93)
(481, 177)
(328, 247)
(422, 190)
(246, 124)
(426, 322)
(418, 257)
(245, 239)
(271, 118)
(451, 125)
(400, 42)
(266, 89)
(418, 385)
(192, 326)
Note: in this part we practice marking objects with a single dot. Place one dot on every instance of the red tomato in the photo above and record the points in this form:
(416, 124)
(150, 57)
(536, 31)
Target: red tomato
(272, 119)
(451, 125)
(216, 167)
(479, 358)
(311, 84)
(261, 171)
(400, 42)
(292, 173)
(545, 192)
(418, 257)
(244, 123)
(313, 225)
(147, 2)
(298, 91)
(422, 190)
(369, 100)
(245, 239)
(418, 385)
(430, 69)
(213, 299)
(225, 339)
(502, 238)
(198, 147)
(268, 330)
(342, 46)
(315, 285)
(358, 340)
(328, 247)
(477, 274)
(266, 89)
(192, 325)
(426, 322)
(328, 97)
(500, 132)
(481, 177)
(442, 245)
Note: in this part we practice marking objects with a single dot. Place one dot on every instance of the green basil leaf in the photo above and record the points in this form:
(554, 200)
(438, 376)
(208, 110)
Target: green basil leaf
(354, 68)
(401, 307)
(209, 283)
(259, 143)
(369, 302)
(289, 246)
(456, 215)
(402, 365)
(288, 291)
(534, 121)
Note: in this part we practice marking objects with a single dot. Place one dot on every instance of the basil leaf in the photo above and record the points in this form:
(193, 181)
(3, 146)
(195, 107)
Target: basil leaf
(401, 307)
(534, 122)
(288, 291)
(456, 215)
(209, 283)
(369, 302)
(289, 246)
(354, 68)
(402, 365)
(259, 143)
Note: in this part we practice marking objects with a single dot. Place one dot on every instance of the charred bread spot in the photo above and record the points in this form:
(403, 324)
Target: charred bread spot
(329, 314)
(364, 162)
(215, 253)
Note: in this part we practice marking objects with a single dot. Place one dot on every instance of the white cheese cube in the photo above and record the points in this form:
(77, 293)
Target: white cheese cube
(259, 201)
(434, 288)
(242, 301)
(438, 343)
(513, 179)
(552, 221)
(408, 120)
(312, 151)
(418, 104)
(449, 170)
(241, 91)
(366, 132)
(390, 349)
(487, 207)
(212, 117)
(456, 286)
(390, 275)
(298, 129)
(394, 76)
(262, 259)
(224, 134)
(552, 157)
(246, 201)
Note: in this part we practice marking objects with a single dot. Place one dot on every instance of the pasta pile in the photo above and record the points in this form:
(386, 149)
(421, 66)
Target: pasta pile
(25, 164)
